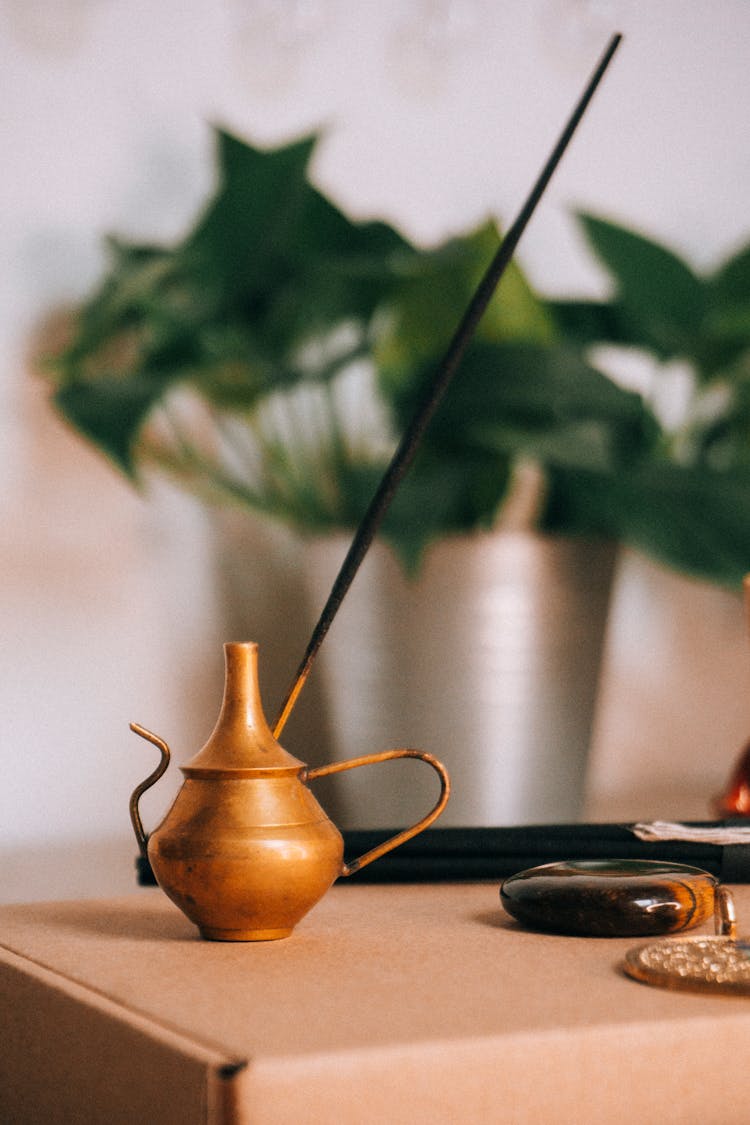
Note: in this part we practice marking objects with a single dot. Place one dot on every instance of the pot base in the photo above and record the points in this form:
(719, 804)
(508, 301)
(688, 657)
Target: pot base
(211, 934)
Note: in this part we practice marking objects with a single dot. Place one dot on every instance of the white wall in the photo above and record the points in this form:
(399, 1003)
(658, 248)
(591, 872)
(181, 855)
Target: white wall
(435, 115)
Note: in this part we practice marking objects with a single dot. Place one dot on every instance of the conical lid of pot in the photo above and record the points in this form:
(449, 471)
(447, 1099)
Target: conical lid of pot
(241, 744)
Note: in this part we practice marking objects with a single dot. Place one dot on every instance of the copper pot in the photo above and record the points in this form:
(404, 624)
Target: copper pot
(246, 850)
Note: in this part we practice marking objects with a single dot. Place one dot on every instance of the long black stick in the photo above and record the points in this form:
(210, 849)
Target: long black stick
(446, 369)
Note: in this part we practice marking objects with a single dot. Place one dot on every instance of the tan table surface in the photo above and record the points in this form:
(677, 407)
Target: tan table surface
(404, 1003)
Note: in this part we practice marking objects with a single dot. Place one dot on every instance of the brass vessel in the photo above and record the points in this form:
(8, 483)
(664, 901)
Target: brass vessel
(246, 850)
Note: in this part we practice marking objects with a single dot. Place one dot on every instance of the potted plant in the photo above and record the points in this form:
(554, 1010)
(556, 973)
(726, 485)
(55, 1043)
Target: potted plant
(271, 358)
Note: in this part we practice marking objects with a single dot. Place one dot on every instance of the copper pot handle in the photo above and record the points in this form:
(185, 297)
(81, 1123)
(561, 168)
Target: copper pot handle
(135, 815)
(400, 837)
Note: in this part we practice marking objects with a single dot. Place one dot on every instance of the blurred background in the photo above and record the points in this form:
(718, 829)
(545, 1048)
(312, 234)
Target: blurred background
(435, 114)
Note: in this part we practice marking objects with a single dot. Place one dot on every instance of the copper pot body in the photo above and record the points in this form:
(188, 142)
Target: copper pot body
(245, 849)
(245, 859)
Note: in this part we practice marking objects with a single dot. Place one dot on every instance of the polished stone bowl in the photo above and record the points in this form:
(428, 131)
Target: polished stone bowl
(610, 898)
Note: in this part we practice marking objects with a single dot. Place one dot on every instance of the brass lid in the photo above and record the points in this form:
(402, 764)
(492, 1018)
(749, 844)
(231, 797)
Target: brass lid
(241, 744)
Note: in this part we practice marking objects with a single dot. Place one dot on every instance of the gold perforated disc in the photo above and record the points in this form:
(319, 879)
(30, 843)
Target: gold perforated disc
(699, 964)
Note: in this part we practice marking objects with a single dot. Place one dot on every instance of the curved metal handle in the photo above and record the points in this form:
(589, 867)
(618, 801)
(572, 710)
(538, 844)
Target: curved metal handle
(725, 915)
(400, 837)
(152, 778)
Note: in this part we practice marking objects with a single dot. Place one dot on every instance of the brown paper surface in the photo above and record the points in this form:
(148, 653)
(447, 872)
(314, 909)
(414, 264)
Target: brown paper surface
(414, 1003)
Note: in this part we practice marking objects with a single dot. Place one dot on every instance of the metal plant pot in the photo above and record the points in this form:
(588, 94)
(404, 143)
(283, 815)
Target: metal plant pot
(489, 659)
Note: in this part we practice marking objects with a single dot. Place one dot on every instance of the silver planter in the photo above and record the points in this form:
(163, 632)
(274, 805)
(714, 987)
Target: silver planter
(490, 660)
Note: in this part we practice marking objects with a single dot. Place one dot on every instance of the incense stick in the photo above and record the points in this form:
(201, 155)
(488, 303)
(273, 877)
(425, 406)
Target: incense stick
(407, 447)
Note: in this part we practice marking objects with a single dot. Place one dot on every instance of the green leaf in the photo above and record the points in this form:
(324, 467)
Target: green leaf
(584, 323)
(582, 444)
(692, 519)
(425, 309)
(110, 416)
(727, 321)
(730, 285)
(243, 237)
(282, 254)
(534, 400)
(658, 290)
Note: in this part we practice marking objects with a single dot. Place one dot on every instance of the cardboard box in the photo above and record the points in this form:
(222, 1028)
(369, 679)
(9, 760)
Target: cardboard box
(388, 1004)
